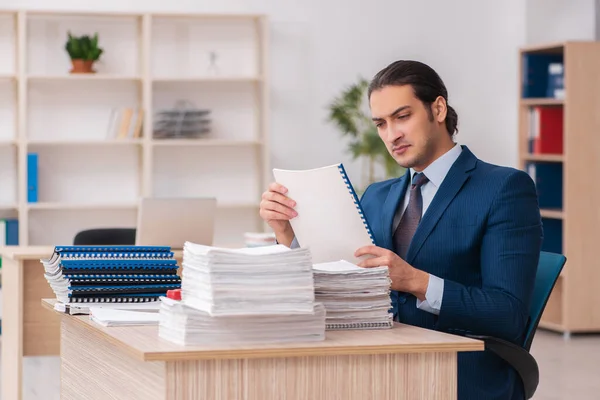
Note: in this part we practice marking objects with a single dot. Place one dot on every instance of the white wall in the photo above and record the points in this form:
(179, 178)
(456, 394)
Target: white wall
(319, 46)
(559, 20)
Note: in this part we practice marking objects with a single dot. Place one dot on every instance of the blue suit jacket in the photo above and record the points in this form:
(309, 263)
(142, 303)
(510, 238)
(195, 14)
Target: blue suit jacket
(482, 234)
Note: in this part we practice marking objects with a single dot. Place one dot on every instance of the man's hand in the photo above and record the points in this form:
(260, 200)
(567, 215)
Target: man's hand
(276, 209)
(405, 278)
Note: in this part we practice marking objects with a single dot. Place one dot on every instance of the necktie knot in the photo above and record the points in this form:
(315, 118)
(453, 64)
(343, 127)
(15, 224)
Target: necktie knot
(418, 180)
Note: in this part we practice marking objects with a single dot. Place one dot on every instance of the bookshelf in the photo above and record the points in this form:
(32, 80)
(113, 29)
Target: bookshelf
(88, 178)
(559, 147)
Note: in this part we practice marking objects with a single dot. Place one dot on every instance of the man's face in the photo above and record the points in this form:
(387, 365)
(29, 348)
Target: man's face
(405, 126)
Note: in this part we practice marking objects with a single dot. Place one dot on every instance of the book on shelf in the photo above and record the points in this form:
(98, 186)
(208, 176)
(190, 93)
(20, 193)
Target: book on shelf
(111, 274)
(548, 179)
(542, 75)
(546, 130)
(32, 177)
(125, 123)
(9, 231)
(553, 235)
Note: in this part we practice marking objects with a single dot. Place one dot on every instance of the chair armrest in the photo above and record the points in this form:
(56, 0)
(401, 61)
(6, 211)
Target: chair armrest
(519, 358)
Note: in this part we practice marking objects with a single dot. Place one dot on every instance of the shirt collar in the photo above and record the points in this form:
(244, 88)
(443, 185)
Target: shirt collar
(437, 170)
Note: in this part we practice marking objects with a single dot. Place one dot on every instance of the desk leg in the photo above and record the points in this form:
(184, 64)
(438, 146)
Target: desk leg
(12, 329)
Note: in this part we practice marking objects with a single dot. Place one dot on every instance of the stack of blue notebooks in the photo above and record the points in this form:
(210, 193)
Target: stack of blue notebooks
(111, 274)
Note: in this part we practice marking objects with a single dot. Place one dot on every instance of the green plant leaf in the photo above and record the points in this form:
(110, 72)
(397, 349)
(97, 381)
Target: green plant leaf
(83, 47)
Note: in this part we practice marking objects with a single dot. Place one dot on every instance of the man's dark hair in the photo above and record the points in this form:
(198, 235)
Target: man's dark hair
(426, 83)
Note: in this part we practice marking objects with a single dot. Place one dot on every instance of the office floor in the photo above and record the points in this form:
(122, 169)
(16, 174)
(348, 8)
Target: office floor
(568, 369)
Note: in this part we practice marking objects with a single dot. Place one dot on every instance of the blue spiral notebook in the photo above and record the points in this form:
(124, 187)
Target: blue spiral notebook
(114, 274)
(330, 220)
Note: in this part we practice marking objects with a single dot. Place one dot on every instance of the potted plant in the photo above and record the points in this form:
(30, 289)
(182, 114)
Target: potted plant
(83, 51)
(348, 113)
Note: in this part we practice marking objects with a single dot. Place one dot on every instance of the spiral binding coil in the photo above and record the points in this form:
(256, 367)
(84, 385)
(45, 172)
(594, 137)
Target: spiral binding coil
(358, 325)
(356, 201)
(113, 299)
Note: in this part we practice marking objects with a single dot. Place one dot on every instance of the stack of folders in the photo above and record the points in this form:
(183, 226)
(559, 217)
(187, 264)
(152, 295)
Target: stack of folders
(111, 274)
(247, 295)
(354, 297)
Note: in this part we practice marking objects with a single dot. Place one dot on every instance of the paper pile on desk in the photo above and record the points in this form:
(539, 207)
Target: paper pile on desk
(354, 297)
(248, 295)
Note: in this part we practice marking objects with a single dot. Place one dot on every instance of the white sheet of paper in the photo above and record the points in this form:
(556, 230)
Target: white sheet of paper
(328, 222)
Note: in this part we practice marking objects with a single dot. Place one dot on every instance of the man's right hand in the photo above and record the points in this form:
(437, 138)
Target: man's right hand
(277, 209)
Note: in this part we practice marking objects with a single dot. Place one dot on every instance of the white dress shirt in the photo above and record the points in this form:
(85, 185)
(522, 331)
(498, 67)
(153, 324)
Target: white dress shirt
(435, 172)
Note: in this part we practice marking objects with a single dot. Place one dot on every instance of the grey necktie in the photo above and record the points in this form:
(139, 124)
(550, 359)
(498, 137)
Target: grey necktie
(411, 217)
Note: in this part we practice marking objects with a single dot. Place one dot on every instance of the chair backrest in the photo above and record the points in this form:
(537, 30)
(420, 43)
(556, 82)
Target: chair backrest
(105, 237)
(549, 268)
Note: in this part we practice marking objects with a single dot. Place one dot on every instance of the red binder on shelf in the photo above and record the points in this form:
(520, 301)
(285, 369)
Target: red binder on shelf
(548, 130)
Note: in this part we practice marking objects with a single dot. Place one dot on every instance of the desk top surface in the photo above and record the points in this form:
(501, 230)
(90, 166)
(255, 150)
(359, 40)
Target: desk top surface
(38, 252)
(144, 343)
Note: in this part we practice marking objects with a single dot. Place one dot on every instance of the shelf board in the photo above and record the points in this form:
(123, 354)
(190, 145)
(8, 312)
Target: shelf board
(552, 326)
(82, 77)
(7, 142)
(543, 157)
(8, 206)
(102, 142)
(82, 13)
(204, 142)
(553, 214)
(81, 206)
(224, 16)
(7, 77)
(554, 48)
(191, 79)
(542, 101)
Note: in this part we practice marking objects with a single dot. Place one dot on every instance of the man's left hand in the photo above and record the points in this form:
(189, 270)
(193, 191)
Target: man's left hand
(405, 278)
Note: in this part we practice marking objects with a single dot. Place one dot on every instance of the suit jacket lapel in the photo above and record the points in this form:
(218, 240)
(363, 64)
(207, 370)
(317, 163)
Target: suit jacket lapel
(395, 195)
(455, 179)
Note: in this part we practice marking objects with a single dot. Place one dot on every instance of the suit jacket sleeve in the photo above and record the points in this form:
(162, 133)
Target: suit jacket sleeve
(509, 256)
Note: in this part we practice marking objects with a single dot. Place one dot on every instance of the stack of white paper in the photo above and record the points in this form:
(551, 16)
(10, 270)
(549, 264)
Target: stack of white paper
(354, 297)
(269, 279)
(185, 325)
(249, 295)
(114, 317)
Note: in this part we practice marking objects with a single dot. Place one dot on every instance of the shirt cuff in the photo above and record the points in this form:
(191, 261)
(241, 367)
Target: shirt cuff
(294, 244)
(433, 296)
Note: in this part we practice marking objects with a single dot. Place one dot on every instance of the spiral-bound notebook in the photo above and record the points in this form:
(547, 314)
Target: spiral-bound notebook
(111, 274)
(330, 218)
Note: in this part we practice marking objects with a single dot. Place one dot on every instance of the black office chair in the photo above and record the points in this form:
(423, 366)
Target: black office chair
(518, 356)
(105, 237)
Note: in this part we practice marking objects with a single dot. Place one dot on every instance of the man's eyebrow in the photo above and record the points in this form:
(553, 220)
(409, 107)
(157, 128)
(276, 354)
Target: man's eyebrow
(398, 110)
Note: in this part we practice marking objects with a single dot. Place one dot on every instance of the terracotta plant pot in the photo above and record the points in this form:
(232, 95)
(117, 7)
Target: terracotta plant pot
(82, 67)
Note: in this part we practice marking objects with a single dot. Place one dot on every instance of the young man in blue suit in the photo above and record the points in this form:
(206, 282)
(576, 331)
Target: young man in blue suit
(461, 237)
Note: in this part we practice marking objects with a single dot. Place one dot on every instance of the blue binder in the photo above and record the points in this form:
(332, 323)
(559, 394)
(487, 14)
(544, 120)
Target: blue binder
(83, 274)
(32, 177)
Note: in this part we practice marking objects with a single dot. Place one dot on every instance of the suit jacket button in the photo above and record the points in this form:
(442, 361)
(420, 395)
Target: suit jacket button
(402, 300)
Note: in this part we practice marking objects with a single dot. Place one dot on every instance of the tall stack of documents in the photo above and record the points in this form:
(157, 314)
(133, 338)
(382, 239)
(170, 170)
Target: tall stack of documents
(111, 274)
(354, 297)
(246, 295)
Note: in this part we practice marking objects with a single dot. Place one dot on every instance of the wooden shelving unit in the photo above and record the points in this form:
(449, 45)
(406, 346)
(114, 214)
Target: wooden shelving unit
(87, 178)
(573, 228)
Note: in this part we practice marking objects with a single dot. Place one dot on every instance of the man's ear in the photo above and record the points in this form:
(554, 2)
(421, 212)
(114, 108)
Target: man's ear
(440, 109)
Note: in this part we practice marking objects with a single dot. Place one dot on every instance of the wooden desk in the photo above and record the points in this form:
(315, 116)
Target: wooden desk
(134, 363)
(27, 330)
